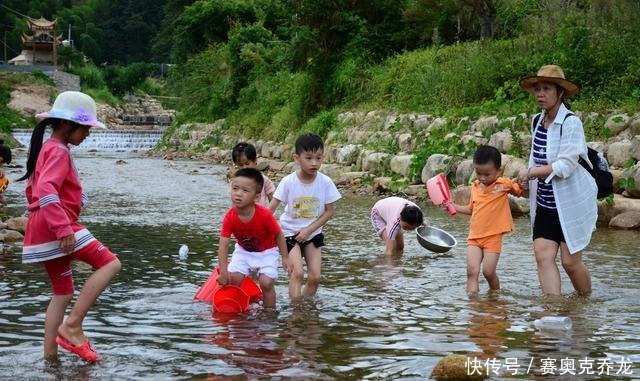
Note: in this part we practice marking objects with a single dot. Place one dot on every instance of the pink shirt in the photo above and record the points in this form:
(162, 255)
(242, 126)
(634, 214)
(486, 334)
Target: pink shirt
(389, 210)
(54, 197)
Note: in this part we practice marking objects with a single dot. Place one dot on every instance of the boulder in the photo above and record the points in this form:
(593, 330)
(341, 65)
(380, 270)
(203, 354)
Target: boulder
(620, 204)
(434, 164)
(635, 148)
(400, 164)
(511, 166)
(7, 235)
(406, 142)
(382, 184)
(351, 178)
(377, 162)
(332, 170)
(464, 171)
(619, 153)
(633, 173)
(18, 224)
(502, 140)
(456, 367)
(348, 155)
(418, 190)
(617, 123)
(626, 220)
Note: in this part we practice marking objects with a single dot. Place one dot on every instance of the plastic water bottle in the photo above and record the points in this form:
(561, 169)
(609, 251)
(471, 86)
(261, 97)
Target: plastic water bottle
(553, 322)
(183, 251)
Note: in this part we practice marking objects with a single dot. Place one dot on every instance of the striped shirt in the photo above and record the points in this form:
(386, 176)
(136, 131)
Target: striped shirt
(544, 196)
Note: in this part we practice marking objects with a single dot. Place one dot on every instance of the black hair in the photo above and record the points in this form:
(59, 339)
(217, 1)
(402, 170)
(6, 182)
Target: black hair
(308, 142)
(246, 149)
(565, 102)
(36, 142)
(5, 152)
(411, 214)
(487, 154)
(253, 174)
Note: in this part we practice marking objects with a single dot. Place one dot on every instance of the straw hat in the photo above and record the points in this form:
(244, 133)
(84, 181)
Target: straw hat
(550, 73)
(76, 107)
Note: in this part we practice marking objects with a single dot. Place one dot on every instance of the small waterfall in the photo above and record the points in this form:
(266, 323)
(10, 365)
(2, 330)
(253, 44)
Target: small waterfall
(105, 140)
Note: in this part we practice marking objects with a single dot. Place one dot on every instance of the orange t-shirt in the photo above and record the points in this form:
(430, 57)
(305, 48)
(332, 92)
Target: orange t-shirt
(490, 212)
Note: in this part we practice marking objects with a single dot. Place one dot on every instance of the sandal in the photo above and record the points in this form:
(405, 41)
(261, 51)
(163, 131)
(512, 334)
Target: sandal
(84, 350)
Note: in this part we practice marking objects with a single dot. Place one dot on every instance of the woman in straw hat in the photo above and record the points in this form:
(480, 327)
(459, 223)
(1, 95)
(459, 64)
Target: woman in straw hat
(53, 235)
(562, 193)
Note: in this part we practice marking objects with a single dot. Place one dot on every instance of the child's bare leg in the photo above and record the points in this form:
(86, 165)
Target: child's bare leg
(489, 266)
(71, 329)
(548, 273)
(297, 273)
(53, 319)
(474, 259)
(236, 278)
(399, 243)
(313, 257)
(577, 271)
(268, 291)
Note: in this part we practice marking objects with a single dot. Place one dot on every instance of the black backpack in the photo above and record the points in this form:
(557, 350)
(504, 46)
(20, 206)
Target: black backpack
(600, 171)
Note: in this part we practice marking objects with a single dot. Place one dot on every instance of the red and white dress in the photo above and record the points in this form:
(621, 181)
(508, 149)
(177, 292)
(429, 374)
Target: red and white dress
(55, 198)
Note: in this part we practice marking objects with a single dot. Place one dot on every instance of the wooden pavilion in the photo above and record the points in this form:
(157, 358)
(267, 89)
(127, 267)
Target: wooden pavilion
(40, 46)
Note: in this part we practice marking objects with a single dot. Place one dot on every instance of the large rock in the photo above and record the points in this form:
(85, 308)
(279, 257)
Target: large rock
(456, 368)
(619, 153)
(377, 162)
(332, 170)
(18, 224)
(502, 140)
(406, 142)
(484, 122)
(464, 171)
(382, 184)
(635, 147)
(7, 235)
(418, 190)
(634, 125)
(620, 204)
(351, 178)
(511, 166)
(400, 164)
(633, 173)
(617, 123)
(435, 163)
(348, 155)
(626, 220)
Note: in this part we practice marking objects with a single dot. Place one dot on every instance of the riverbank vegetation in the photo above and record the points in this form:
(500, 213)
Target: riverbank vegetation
(273, 67)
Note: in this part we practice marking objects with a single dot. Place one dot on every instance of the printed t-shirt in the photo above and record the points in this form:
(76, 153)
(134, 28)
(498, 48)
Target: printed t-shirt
(490, 212)
(389, 210)
(258, 234)
(304, 203)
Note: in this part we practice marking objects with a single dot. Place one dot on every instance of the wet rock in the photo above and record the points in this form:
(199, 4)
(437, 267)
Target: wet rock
(456, 367)
(121, 162)
(626, 220)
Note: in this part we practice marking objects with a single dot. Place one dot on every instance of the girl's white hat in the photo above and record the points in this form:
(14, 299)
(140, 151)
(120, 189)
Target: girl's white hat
(76, 107)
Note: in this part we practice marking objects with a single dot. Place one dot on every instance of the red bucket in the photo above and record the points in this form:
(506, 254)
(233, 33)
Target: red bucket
(230, 299)
(250, 287)
(205, 293)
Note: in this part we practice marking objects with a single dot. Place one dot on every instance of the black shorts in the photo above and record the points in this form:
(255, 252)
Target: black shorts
(547, 225)
(317, 240)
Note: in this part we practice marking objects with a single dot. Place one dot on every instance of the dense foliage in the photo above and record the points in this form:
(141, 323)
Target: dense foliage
(270, 66)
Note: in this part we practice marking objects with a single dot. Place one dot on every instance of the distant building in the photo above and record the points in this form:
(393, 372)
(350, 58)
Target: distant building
(39, 47)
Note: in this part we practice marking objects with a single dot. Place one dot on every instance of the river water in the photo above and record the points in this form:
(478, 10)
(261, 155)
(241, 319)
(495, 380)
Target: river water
(373, 317)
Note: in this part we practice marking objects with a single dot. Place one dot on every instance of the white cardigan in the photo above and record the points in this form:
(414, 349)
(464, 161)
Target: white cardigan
(574, 188)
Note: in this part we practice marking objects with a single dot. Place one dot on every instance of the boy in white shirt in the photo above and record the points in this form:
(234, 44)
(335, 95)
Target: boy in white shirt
(309, 197)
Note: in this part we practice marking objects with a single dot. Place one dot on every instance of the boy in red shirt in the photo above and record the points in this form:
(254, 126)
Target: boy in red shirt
(490, 217)
(259, 238)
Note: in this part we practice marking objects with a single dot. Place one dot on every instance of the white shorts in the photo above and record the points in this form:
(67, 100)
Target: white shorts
(262, 262)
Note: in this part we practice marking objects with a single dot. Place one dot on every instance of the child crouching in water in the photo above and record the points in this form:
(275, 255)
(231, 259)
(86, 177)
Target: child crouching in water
(390, 217)
(490, 217)
(244, 156)
(259, 239)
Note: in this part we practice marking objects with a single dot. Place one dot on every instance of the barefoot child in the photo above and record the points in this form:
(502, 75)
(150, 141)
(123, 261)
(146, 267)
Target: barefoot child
(244, 156)
(259, 239)
(390, 217)
(5, 158)
(53, 235)
(310, 197)
(490, 217)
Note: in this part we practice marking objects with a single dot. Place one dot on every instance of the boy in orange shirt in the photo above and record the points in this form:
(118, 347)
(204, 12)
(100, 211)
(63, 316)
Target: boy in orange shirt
(490, 217)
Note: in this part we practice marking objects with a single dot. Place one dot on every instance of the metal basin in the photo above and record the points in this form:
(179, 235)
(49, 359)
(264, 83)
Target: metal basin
(434, 239)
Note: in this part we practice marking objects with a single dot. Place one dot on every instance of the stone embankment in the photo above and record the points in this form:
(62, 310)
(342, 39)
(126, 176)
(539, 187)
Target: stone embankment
(381, 152)
(11, 233)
